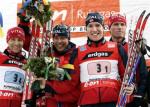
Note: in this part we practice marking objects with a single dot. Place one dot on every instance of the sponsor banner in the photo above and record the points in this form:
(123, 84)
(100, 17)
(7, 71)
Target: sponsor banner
(74, 12)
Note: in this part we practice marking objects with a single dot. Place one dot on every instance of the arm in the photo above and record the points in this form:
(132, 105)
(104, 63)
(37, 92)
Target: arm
(24, 23)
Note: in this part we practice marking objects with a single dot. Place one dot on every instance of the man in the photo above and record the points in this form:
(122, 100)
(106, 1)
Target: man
(12, 77)
(118, 27)
(62, 93)
(101, 67)
(67, 91)
(15, 39)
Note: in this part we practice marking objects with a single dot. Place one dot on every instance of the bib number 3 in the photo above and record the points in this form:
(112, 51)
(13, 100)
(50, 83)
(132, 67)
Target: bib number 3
(14, 77)
(102, 67)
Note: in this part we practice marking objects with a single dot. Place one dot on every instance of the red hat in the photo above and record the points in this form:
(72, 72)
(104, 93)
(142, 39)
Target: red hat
(117, 18)
(15, 32)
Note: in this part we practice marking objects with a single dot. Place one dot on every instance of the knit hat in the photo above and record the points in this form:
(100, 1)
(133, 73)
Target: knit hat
(15, 32)
(94, 17)
(117, 18)
(61, 30)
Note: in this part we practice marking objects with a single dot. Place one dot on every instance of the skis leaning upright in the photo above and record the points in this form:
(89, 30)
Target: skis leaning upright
(134, 57)
(33, 51)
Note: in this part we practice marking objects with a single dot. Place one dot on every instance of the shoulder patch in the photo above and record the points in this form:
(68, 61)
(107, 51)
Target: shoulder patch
(82, 48)
(111, 44)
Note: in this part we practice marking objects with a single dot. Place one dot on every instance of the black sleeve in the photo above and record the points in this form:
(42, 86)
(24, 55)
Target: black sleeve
(24, 23)
(73, 56)
(143, 73)
(123, 54)
(148, 86)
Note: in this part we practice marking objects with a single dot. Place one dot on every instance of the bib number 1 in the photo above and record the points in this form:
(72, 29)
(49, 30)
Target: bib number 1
(102, 67)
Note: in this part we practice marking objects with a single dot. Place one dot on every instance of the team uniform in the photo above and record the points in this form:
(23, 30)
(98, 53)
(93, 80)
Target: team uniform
(101, 71)
(12, 81)
(12, 77)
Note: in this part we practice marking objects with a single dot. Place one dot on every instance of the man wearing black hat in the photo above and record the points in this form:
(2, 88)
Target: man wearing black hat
(101, 67)
(65, 93)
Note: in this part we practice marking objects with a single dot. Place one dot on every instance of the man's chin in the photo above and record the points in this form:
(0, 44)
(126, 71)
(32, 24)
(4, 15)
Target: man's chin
(60, 49)
(16, 51)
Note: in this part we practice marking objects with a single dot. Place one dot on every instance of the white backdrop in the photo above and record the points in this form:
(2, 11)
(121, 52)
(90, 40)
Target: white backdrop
(132, 9)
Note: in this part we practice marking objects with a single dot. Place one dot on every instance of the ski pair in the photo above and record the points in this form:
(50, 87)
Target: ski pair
(133, 58)
(45, 45)
(33, 51)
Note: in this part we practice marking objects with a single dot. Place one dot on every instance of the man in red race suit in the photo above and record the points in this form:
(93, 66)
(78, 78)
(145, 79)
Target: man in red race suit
(11, 76)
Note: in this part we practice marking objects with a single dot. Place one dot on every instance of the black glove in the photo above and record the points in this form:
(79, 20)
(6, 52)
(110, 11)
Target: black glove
(30, 103)
(23, 17)
(38, 92)
(49, 89)
(135, 103)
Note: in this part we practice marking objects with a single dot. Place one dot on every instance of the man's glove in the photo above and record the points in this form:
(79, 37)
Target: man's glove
(135, 103)
(38, 91)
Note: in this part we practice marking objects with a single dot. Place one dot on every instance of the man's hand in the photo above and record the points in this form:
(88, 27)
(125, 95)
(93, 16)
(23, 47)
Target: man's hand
(42, 82)
(129, 89)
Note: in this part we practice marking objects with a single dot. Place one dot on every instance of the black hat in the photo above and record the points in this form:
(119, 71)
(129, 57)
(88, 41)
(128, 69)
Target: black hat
(61, 30)
(94, 17)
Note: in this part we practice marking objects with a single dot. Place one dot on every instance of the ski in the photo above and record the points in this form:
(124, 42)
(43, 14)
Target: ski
(1, 24)
(46, 36)
(134, 57)
(130, 37)
(34, 41)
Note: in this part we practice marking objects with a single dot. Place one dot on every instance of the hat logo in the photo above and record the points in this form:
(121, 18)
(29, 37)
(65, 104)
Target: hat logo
(94, 17)
(16, 31)
(91, 20)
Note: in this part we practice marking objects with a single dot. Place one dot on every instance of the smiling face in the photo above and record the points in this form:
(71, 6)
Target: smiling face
(60, 42)
(118, 30)
(15, 44)
(95, 31)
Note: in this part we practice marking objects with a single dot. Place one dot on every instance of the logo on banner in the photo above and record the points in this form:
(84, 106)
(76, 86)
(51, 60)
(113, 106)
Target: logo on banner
(74, 12)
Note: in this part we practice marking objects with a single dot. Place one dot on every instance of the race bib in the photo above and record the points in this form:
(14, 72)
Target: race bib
(12, 79)
(99, 69)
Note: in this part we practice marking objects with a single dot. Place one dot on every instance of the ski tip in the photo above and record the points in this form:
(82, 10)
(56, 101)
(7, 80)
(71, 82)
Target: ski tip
(147, 15)
(1, 20)
(143, 12)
